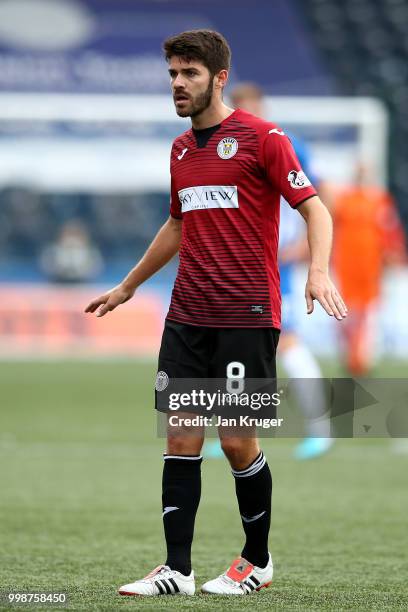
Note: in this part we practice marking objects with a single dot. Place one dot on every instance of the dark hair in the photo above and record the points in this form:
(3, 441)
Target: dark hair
(206, 46)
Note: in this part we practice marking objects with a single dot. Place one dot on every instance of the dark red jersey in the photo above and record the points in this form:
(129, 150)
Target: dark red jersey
(226, 188)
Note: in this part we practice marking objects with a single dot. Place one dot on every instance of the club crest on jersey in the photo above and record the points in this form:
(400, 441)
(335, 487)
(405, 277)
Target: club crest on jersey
(162, 381)
(298, 179)
(227, 147)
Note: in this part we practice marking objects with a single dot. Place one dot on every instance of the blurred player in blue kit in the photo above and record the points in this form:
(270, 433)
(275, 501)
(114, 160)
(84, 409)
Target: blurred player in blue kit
(298, 361)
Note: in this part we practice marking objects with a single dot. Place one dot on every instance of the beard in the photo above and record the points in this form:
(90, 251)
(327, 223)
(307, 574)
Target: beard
(198, 104)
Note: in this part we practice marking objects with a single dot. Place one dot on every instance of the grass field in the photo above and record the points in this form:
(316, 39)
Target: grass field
(80, 502)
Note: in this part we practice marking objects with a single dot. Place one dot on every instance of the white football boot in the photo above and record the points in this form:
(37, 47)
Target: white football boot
(161, 581)
(242, 578)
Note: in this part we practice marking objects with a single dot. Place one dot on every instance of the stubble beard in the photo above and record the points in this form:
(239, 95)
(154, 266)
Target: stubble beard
(199, 104)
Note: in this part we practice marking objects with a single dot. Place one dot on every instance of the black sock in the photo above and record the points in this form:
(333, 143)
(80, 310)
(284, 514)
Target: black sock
(253, 487)
(181, 496)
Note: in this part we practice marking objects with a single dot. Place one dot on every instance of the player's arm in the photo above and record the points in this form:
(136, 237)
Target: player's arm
(282, 167)
(163, 248)
(319, 234)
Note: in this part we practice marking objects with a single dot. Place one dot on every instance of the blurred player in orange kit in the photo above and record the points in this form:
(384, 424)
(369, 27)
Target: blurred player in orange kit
(367, 236)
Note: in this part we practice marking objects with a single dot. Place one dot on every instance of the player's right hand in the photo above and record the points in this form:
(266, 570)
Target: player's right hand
(110, 300)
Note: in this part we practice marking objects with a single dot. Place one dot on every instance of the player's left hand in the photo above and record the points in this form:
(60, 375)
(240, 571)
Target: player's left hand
(319, 287)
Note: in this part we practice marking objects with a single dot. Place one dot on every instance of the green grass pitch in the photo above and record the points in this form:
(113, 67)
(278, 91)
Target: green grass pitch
(80, 470)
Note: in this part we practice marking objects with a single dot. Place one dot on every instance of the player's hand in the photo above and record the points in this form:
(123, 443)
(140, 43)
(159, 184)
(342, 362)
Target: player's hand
(319, 287)
(110, 300)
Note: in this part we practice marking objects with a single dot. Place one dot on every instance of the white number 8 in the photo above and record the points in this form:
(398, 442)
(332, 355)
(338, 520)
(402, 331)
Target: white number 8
(235, 377)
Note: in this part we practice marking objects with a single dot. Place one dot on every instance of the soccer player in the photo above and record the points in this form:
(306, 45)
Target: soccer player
(227, 174)
(368, 237)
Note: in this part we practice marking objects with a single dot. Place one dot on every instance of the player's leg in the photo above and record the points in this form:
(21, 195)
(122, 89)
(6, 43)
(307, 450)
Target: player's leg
(253, 487)
(253, 569)
(303, 369)
(181, 492)
(184, 354)
(255, 351)
(361, 340)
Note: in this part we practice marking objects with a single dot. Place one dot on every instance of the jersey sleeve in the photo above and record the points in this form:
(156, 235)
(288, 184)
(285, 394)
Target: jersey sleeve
(175, 206)
(283, 168)
(305, 159)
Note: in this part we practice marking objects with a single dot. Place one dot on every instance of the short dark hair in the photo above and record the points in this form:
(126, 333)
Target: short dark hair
(206, 46)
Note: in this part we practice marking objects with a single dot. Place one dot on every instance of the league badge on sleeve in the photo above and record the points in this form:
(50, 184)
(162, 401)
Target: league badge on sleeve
(227, 147)
(298, 179)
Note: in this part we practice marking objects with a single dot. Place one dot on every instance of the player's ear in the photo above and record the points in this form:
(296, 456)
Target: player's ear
(221, 79)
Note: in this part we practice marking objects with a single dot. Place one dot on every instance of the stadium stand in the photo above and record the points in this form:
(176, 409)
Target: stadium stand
(365, 44)
(120, 226)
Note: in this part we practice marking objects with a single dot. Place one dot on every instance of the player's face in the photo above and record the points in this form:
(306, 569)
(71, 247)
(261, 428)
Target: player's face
(192, 86)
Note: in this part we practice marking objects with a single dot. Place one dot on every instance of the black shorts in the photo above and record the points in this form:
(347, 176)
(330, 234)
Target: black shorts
(212, 354)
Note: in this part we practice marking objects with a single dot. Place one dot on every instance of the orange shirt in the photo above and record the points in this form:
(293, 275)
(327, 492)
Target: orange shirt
(366, 228)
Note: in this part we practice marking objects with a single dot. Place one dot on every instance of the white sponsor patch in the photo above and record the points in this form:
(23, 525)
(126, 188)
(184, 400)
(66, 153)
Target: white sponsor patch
(227, 147)
(298, 179)
(204, 197)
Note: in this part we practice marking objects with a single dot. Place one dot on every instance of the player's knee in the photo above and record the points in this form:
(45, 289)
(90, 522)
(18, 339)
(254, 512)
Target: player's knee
(239, 451)
(184, 445)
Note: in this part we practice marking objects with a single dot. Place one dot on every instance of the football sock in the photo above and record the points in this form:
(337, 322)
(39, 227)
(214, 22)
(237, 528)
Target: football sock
(181, 495)
(253, 487)
(302, 367)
